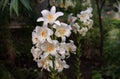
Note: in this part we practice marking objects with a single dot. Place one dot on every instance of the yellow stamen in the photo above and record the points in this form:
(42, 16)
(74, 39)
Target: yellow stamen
(45, 62)
(62, 31)
(44, 33)
(50, 48)
(83, 16)
(50, 17)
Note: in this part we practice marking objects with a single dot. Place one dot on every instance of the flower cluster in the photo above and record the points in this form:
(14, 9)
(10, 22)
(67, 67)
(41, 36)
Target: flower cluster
(51, 48)
(84, 20)
(48, 52)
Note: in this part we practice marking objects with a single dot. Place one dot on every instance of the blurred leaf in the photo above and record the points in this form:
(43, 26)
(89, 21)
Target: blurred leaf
(14, 6)
(26, 4)
(3, 4)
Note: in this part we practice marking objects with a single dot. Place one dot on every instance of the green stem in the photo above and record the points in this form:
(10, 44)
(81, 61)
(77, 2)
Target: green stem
(54, 72)
(78, 61)
(54, 75)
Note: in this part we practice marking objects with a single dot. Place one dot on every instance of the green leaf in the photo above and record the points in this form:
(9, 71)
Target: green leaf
(26, 4)
(3, 4)
(14, 6)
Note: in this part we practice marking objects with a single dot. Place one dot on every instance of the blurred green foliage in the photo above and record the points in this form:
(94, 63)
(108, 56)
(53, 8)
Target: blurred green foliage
(111, 58)
(14, 5)
(112, 50)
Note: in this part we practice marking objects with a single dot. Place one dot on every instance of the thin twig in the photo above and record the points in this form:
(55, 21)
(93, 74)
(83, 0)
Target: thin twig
(100, 26)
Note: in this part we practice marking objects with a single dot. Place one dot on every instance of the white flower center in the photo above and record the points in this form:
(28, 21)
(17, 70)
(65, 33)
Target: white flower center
(45, 62)
(62, 31)
(83, 16)
(50, 48)
(59, 65)
(50, 17)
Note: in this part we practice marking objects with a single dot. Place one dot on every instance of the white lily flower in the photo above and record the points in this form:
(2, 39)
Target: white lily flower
(83, 31)
(85, 15)
(71, 18)
(63, 31)
(62, 50)
(49, 48)
(50, 16)
(89, 11)
(75, 28)
(59, 65)
(35, 38)
(70, 47)
(36, 52)
(44, 33)
(89, 23)
(45, 63)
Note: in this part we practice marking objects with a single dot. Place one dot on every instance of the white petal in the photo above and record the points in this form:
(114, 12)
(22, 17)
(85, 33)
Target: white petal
(57, 22)
(78, 15)
(58, 14)
(45, 13)
(66, 66)
(63, 39)
(60, 69)
(63, 24)
(42, 40)
(37, 28)
(45, 23)
(49, 40)
(89, 9)
(62, 51)
(40, 19)
(39, 64)
(68, 33)
(71, 41)
(53, 10)
(44, 55)
(57, 34)
(70, 27)
(50, 32)
(54, 26)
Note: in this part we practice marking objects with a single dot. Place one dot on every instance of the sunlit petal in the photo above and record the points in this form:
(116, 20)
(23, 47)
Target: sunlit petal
(53, 10)
(40, 19)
